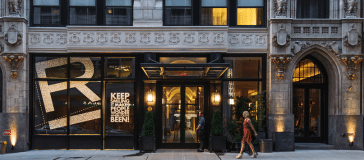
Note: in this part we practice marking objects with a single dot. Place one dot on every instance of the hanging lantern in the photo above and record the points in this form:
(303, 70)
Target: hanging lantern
(150, 96)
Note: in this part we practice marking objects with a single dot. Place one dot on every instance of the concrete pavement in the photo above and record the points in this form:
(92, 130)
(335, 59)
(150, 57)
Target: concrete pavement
(178, 154)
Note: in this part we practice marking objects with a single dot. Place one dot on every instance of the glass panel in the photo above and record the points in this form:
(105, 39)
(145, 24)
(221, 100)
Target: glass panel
(307, 72)
(85, 67)
(299, 112)
(85, 112)
(46, 15)
(50, 107)
(250, 16)
(120, 109)
(213, 16)
(245, 67)
(182, 60)
(46, 2)
(118, 3)
(120, 16)
(171, 116)
(82, 15)
(178, 16)
(51, 67)
(178, 2)
(314, 112)
(247, 3)
(119, 67)
(213, 3)
(194, 100)
(82, 3)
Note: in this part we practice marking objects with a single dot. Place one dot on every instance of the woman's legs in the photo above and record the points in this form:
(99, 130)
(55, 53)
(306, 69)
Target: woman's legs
(242, 146)
(251, 147)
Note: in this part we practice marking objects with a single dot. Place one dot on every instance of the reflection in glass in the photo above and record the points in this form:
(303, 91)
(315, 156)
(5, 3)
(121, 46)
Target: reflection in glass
(85, 107)
(46, 15)
(307, 72)
(213, 16)
(246, 3)
(119, 67)
(85, 67)
(119, 109)
(194, 100)
(249, 16)
(171, 116)
(245, 67)
(299, 112)
(178, 2)
(118, 2)
(213, 3)
(314, 112)
(178, 16)
(49, 107)
(51, 67)
(119, 16)
(82, 15)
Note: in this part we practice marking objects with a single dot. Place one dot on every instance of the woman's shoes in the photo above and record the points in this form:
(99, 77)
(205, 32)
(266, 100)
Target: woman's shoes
(255, 155)
(239, 156)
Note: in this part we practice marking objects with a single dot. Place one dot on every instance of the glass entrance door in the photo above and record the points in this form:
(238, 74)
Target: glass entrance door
(180, 106)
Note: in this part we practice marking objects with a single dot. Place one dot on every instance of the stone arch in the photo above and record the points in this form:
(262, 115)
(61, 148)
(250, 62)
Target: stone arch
(333, 69)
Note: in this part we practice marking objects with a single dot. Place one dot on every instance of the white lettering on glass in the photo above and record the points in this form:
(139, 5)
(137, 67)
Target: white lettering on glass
(119, 107)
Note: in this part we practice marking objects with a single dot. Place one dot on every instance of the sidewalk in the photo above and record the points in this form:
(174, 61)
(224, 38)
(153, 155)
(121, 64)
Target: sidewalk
(178, 154)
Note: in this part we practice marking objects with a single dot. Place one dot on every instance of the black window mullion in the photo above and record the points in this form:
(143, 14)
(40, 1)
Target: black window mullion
(100, 8)
(233, 7)
(64, 12)
(196, 12)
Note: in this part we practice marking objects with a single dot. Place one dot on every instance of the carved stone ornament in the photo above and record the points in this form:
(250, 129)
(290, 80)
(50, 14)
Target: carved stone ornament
(280, 61)
(353, 38)
(219, 38)
(280, 8)
(13, 37)
(1, 47)
(281, 39)
(14, 61)
(351, 7)
(333, 46)
(14, 7)
(351, 61)
(189, 38)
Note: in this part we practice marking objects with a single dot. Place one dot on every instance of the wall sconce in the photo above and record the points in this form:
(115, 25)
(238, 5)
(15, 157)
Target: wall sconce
(150, 96)
(216, 97)
(351, 139)
(231, 101)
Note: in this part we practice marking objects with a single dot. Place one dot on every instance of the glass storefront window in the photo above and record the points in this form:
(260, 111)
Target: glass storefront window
(245, 67)
(51, 67)
(119, 108)
(85, 67)
(85, 107)
(119, 67)
(50, 107)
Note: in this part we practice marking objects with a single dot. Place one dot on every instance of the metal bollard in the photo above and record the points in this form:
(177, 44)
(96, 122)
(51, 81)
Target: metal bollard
(3, 146)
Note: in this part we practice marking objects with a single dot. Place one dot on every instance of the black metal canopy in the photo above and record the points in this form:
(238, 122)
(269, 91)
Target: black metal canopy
(185, 70)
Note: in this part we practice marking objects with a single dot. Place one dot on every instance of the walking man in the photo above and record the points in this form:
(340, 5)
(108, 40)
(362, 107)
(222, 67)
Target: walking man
(200, 130)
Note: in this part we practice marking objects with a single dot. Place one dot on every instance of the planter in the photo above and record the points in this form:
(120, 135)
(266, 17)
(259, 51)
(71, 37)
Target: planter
(266, 145)
(284, 141)
(147, 143)
(261, 135)
(217, 143)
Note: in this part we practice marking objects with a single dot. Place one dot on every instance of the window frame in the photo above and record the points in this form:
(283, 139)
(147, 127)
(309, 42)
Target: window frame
(178, 7)
(234, 16)
(31, 17)
(227, 12)
(301, 14)
(131, 14)
(69, 13)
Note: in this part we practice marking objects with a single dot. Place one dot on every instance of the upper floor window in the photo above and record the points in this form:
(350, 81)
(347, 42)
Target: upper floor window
(46, 12)
(250, 12)
(81, 12)
(213, 12)
(312, 8)
(178, 13)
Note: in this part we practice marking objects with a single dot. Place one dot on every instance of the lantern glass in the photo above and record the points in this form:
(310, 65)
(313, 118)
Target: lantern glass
(217, 97)
(150, 97)
(231, 101)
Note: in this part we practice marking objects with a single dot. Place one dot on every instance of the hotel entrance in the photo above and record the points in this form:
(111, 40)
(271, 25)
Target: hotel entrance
(178, 112)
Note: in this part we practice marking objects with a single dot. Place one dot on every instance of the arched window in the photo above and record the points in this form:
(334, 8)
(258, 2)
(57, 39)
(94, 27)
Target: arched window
(307, 72)
(313, 8)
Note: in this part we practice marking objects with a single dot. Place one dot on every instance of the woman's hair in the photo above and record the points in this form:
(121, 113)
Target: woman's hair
(246, 113)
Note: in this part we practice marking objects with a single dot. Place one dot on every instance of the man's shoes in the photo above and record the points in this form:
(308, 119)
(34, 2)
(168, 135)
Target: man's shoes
(200, 150)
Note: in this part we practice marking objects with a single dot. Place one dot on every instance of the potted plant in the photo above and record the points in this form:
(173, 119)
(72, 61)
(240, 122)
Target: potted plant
(147, 137)
(259, 120)
(217, 140)
(231, 134)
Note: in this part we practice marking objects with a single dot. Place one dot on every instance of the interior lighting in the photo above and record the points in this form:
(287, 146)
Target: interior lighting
(351, 139)
(150, 96)
(216, 97)
(231, 101)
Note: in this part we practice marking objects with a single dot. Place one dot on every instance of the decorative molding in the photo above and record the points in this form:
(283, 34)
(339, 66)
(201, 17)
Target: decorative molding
(48, 39)
(189, 38)
(280, 8)
(247, 40)
(14, 7)
(145, 38)
(351, 61)
(332, 47)
(61, 39)
(203, 38)
(102, 38)
(234, 39)
(34, 39)
(88, 38)
(219, 38)
(282, 38)
(351, 8)
(174, 38)
(14, 61)
(1, 47)
(353, 38)
(280, 61)
(159, 38)
(115, 38)
(13, 36)
(75, 38)
(130, 38)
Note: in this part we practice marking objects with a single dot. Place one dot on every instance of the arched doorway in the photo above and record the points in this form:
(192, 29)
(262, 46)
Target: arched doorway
(310, 101)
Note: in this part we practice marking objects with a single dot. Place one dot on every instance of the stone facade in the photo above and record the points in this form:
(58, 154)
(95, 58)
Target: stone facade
(336, 42)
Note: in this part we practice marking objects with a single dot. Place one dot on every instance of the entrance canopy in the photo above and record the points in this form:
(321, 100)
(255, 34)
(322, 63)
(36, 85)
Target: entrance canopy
(185, 70)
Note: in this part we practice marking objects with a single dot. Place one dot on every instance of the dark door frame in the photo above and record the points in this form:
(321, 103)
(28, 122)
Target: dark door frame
(324, 104)
(159, 110)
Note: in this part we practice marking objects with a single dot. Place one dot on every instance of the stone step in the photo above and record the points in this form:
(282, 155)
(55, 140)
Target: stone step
(313, 146)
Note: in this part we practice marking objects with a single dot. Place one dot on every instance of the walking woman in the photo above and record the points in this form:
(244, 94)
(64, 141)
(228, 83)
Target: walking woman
(247, 135)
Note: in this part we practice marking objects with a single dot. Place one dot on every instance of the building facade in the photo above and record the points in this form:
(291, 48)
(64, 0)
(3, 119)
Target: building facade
(81, 74)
